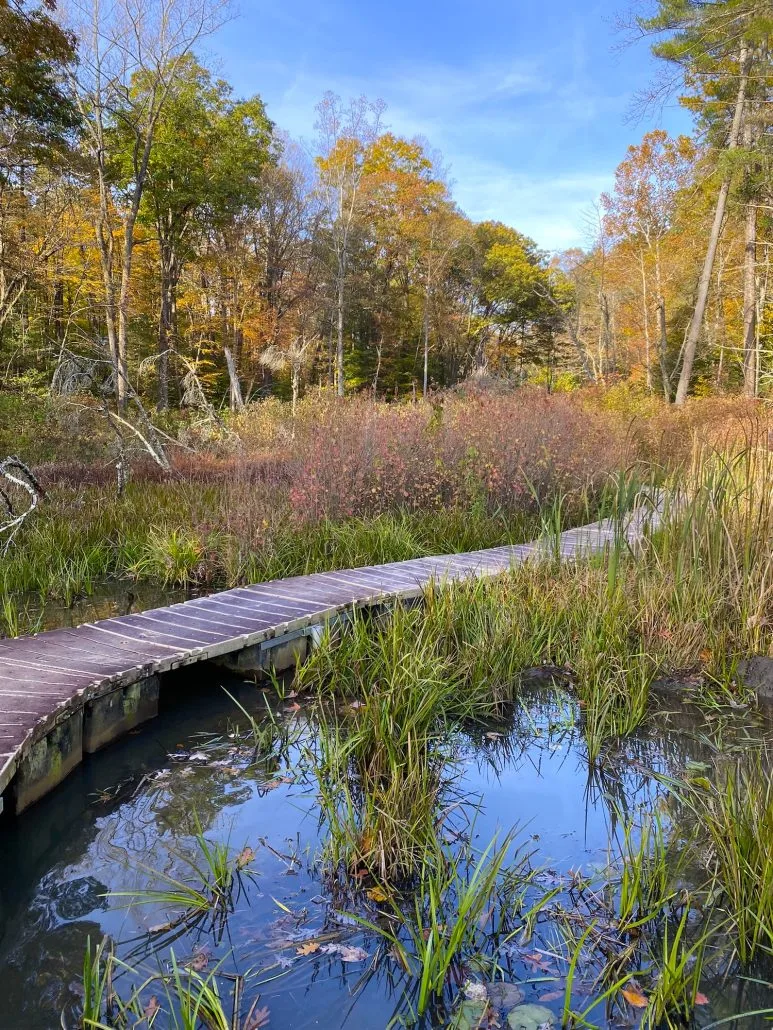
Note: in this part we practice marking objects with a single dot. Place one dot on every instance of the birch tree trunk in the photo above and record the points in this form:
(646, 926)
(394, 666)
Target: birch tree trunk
(645, 303)
(696, 322)
(750, 303)
(665, 378)
(750, 283)
(340, 336)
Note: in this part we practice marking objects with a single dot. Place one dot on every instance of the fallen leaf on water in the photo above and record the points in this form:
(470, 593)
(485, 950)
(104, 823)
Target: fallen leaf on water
(294, 707)
(346, 952)
(151, 1008)
(551, 996)
(307, 949)
(537, 962)
(493, 736)
(257, 1018)
(199, 962)
(701, 999)
(245, 856)
(634, 997)
(376, 894)
(160, 928)
(504, 995)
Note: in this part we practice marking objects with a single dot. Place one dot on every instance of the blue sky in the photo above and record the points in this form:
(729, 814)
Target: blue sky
(528, 101)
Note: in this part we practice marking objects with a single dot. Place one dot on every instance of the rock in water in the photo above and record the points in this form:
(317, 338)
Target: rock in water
(530, 1017)
(504, 995)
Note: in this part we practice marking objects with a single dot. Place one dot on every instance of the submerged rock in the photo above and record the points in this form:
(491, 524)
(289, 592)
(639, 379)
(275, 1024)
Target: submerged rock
(470, 1014)
(504, 995)
(530, 1017)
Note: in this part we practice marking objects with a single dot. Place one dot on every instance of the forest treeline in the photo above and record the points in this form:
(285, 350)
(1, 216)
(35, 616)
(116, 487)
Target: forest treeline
(163, 243)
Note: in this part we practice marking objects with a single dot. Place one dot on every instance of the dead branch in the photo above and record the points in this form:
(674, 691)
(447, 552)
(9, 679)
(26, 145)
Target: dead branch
(17, 474)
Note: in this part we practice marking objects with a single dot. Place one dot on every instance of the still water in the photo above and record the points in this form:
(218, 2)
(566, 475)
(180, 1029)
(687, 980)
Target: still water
(125, 817)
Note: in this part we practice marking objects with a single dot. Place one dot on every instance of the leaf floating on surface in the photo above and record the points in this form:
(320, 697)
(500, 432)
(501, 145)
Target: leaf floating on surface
(634, 997)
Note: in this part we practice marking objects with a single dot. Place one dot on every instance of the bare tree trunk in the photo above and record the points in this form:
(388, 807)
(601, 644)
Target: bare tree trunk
(165, 326)
(379, 352)
(665, 378)
(750, 303)
(750, 291)
(762, 297)
(426, 347)
(330, 368)
(105, 242)
(696, 323)
(663, 349)
(646, 316)
(340, 338)
(295, 384)
(605, 335)
(236, 399)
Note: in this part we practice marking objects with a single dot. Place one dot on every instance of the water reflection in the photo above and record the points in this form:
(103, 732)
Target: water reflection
(130, 811)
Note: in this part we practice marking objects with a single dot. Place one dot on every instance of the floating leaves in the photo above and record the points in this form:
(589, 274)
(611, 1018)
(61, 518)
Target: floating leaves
(245, 856)
(346, 952)
(257, 1017)
(634, 997)
(151, 1009)
(308, 949)
(504, 995)
(530, 1017)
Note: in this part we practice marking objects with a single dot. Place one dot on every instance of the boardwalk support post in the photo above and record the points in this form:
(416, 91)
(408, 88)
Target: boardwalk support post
(114, 714)
(277, 653)
(48, 761)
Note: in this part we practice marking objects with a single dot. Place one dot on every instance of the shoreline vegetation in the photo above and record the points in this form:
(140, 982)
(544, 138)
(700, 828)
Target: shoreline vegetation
(341, 484)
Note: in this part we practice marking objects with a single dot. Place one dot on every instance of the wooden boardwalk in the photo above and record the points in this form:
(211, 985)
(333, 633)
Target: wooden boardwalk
(72, 690)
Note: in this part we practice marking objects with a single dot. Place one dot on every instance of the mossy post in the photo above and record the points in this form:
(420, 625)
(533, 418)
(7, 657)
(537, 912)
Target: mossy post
(48, 761)
(111, 716)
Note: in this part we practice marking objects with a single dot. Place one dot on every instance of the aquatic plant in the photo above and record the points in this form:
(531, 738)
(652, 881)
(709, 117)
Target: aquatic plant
(209, 891)
(452, 920)
(736, 817)
(97, 984)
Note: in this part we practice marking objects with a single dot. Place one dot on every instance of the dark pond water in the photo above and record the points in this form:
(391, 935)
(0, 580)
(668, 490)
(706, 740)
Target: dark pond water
(128, 811)
(108, 599)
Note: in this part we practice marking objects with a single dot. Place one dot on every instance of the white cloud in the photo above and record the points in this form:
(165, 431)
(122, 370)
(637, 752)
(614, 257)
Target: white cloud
(550, 209)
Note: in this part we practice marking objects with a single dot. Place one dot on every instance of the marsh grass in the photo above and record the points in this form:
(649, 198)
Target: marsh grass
(648, 875)
(678, 965)
(98, 967)
(209, 891)
(214, 536)
(452, 919)
(192, 1001)
(736, 817)
(379, 761)
(406, 682)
